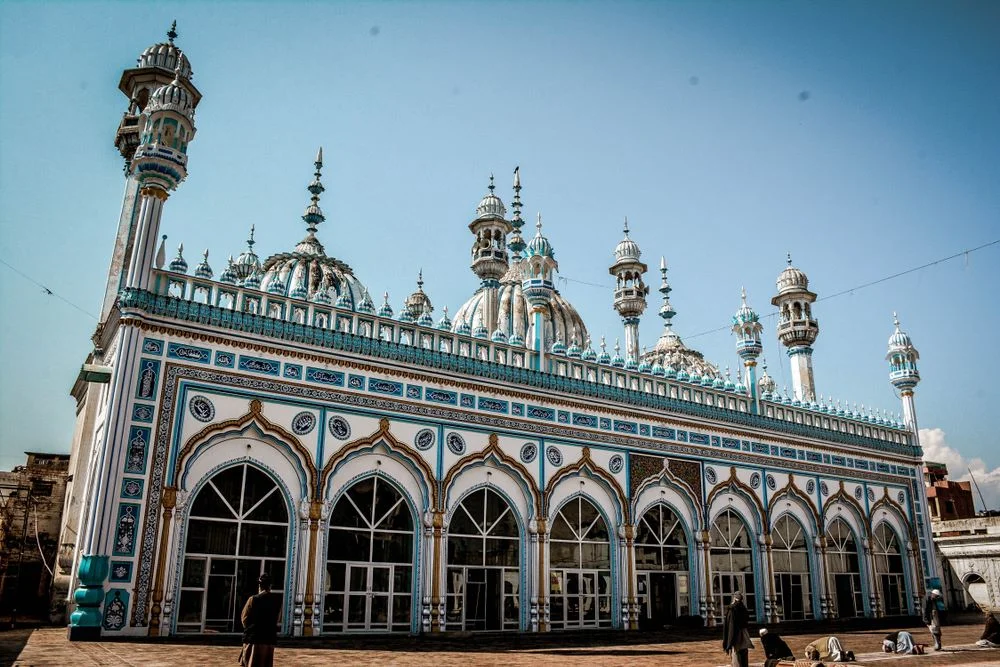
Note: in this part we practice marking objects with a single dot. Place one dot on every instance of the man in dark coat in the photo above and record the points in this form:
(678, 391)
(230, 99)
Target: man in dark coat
(932, 617)
(735, 638)
(260, 626)
(775, 648)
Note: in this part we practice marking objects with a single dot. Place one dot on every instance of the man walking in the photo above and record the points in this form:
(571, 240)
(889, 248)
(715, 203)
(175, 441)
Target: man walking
(735, 637)
(260, 626)
(932, 617)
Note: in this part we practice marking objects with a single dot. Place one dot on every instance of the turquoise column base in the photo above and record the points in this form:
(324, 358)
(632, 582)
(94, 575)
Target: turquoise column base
(85, 621)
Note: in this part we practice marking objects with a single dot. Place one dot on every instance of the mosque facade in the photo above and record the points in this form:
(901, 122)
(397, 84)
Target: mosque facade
(491, 471)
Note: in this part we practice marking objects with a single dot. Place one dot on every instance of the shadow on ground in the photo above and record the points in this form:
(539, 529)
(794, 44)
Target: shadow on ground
(11, 644)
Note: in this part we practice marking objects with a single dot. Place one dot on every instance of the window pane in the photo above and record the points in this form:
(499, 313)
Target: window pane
(211, 537)
(229, 482)
(263, 540)
(271, 509)
(210, 504)
(257, 486)
(391, 548)
(465, 550)
(335, 577)
(564, 554)
(506, 526)
(401, 579)
(349, 545)
(194, 573)
(462, 524)
(189, 609)
(561, 530)
(344, 514)
(502, 552)
(363, 495)
(386, 498)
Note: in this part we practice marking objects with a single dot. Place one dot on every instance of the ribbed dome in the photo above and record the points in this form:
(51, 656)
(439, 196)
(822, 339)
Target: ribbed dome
(173, 96)
(166, 56)
(627, 249)
(490, 206)
(670, 351)
(791, 279)
(418, 303)
(514, 314)
(766, 383)
(899, 339)
(307, 270)
(247, 261)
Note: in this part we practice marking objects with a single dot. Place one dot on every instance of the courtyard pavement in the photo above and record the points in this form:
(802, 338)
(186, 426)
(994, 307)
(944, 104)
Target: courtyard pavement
(49, 646)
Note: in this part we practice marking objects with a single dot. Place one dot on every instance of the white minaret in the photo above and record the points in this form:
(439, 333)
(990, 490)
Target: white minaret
(538, 289)
(904, 376)
(797, 330)
(630, 292)
(489, 255)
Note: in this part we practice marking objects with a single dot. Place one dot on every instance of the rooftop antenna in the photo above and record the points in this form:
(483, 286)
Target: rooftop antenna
(981, 499)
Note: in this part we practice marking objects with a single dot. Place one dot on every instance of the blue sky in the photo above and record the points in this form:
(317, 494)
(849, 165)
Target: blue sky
(864, 138)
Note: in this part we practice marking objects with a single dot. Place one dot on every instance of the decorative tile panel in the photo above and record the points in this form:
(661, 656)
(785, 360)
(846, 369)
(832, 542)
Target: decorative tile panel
(664, 432)
(135, 457)
(258, 365)
(517, 409)
(125, 528)
(384, 386)
(626, 427)
(536, 412)
(731, 443)
(356, 381)
(115, 609)
(152, 346)
(563, 417)
(132, 488)
(589, 421)
(149, 372)
(414, 391)
(120, 571)
(698, 438)
(492, 405)
(225, 359)
(142, 413)
(441, 396)
(184, 352)
(323, 376)
(468, 401)
(292, 372)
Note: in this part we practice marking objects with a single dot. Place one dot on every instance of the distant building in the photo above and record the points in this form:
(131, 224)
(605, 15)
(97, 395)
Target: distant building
(31, 503)
(947, 500)
(968, 552)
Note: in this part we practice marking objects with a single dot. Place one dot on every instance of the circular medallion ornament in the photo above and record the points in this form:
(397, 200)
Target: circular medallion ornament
(303, 423)
(424, 439)
(755, 480)
(616, 464)
(554, 456)
(771, 483)
(824, 489)
(810, 487)
(529, 451)
(871, 495)
(201, 409)
(900, 497)
(858, 492)
(339, 428)
(710, 475)
(456, 445)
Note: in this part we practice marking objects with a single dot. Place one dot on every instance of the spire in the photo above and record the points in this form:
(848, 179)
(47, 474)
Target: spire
(172, 33)
(250, 240)
(492, 184)
(789, 259)
(314, 214)
(626, 227)
(161, 254)
(420, 280)
(517, 244)
(667, 311)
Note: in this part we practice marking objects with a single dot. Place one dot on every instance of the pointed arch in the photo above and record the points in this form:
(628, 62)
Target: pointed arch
(672, 489)
(284, 441)
(585, 466)
(790, 492)
(734, 486)
(841, 496)
(494, 456)
(382, 439)
(889, 505)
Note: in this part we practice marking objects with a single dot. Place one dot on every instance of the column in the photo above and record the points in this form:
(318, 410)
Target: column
(310, 605)
(531, 576)
(168, 500)
(543, 580)
(825, 602)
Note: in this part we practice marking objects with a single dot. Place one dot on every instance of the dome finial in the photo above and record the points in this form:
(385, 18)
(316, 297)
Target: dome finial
(789, 255)
(538, 223)
(492, 185)
(314, 214)
(895, 320)
(250, 240)
(626, 226)
(172, 33)
(743, 295)
(420, 280)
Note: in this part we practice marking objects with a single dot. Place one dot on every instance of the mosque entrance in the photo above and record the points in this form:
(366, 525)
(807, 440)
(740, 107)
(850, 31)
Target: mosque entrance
(579, 567)
(369, 567)
(237, 530)
(484, 587)
(661, 559)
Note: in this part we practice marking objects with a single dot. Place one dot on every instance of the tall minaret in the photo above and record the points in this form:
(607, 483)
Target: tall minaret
(159, 165)
(904, 376)
(489, 252)
(155, 68)
(797, 330)
(747, 327)
(538, 289)
(630, 292)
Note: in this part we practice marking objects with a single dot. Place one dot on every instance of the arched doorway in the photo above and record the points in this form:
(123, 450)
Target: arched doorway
(888, 554)
(370, 556)
(237, 529)
(792, 576)
(661, 562)
(731, 558)
(844, 568)
(484, 564)
(579, 567)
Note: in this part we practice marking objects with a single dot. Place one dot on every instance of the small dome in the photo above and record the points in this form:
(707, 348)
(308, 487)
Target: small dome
(178, 263)
(627, 249)
(899, 339)
(166, 55)
(366, 306)
(253, 280)
(247, 261)
(444, 324)
(173, 97)
(540, 246)
(228, 276)
(765, 383)
(385, 310)
(418, 302)
(204, 270)
(791, 279)
(490, 206)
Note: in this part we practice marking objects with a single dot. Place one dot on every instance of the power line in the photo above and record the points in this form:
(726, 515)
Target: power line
(46, 290)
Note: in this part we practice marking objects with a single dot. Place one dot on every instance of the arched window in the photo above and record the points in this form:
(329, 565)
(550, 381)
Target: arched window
(731, 557)
(661, 561)
(237, 530)
(369, 561)
(579, 567)
(792, 580)
(844, 567)
(889, 570)
(484, 559)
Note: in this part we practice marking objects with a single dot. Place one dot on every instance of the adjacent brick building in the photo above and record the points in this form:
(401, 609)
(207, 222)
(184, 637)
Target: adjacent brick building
(946, 499)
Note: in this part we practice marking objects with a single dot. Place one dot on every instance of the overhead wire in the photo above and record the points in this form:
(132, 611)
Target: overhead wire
(46, 290)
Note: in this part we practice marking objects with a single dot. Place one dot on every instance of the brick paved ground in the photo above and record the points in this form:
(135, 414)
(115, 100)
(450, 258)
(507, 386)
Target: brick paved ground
(49, 646)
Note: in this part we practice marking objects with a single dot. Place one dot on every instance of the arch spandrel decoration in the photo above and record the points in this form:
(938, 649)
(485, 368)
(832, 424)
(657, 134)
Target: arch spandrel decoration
(842, 497)
(253, 418)
(734, 486)
(493, 454)
(667, 479)
(895, 509)
(586, 466)
(383, 437)
(790, 492)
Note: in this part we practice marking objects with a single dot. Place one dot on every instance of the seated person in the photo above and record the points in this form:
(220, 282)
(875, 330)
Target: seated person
(991, 633)
(901, 642)
(829, 649)
(775, 648)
